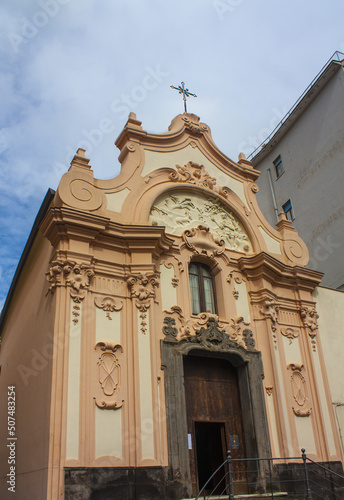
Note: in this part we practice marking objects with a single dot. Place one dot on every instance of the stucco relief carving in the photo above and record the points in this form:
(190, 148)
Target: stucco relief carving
(201, 241)
(269, 389)
(183, 210)
(299, 390)
(142, 288)
(76, 275)
(310, 317)
(177, 327)
(235, 277)
(194, 173)
(290, 333)
(195, 126)
(108, 304)
(270, 310)
(109, 376)
(237, 322)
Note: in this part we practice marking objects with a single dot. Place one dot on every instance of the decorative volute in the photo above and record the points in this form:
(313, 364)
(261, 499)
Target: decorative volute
(181, 180)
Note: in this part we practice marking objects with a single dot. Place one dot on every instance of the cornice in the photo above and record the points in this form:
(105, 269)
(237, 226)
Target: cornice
(265, 266)
(66, 223)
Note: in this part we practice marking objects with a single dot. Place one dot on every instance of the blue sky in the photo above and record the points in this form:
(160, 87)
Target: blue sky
(71, 70)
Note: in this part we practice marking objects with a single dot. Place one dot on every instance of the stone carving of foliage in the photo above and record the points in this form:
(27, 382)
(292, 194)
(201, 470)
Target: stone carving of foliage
(142, 285)
(270, 310)
(310, 317)
(76, 275)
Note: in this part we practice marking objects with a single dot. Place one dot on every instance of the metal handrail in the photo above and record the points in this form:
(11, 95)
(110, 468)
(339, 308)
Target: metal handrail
(229, 486)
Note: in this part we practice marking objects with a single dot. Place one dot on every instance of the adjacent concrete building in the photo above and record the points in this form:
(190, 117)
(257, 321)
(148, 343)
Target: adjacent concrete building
(157, 319)
(302, 171)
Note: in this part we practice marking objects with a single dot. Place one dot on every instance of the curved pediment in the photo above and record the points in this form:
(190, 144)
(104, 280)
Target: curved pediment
(182, 210)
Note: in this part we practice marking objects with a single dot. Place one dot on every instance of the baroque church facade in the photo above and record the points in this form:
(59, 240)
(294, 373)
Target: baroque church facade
(157, 318)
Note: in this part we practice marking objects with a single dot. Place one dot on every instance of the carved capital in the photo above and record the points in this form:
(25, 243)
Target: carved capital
(142, 285)
(270, 310)
(309, 318)
(76, 275)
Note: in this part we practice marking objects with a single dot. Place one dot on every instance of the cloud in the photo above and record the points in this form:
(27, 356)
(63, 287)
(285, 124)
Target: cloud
(62, 79)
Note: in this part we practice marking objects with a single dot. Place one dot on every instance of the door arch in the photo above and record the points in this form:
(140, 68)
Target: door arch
(213, 343)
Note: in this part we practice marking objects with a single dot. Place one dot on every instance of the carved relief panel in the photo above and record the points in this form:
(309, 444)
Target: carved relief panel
(299, 390)
(109, 385)
(182, 211)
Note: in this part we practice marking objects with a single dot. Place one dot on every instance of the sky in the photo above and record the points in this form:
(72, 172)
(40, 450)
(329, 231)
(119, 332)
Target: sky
(72, 70)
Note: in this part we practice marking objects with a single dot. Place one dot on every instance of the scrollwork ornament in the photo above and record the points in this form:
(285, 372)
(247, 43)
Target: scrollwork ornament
(109, 376)
(290, 333)
(108, 304)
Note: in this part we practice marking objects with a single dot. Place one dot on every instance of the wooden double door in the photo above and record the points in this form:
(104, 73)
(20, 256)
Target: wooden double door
(214, 420)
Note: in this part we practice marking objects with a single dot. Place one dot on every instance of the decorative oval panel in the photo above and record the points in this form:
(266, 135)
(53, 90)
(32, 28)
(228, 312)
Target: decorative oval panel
(181, 210)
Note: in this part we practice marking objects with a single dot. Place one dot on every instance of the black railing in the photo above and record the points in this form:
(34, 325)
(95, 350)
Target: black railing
(293, 477)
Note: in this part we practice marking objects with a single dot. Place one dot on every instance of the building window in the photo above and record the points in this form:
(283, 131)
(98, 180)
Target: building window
(278, 166)
(288, 210)
(202, 288)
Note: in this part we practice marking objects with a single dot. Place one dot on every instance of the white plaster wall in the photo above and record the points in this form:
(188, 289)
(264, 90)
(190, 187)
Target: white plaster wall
(108, 423)
(330, 307)
(168, 291)
(146, 393)
(73, 401)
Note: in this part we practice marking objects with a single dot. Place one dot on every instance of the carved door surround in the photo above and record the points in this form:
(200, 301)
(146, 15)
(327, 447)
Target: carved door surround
(250, 376)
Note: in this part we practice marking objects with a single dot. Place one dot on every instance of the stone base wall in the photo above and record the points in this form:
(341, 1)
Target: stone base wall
(106, 483)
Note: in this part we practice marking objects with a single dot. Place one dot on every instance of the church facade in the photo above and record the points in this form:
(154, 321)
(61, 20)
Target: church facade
(157, 318)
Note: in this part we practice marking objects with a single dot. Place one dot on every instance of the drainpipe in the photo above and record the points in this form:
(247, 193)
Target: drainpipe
(273, 194)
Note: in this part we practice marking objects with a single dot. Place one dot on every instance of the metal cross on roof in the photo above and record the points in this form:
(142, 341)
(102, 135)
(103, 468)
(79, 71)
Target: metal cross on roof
(182, 90)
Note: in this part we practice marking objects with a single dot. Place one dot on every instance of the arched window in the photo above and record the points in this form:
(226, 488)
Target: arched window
(202, 288)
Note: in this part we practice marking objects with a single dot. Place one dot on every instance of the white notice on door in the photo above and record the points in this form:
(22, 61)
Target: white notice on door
(189, 441)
